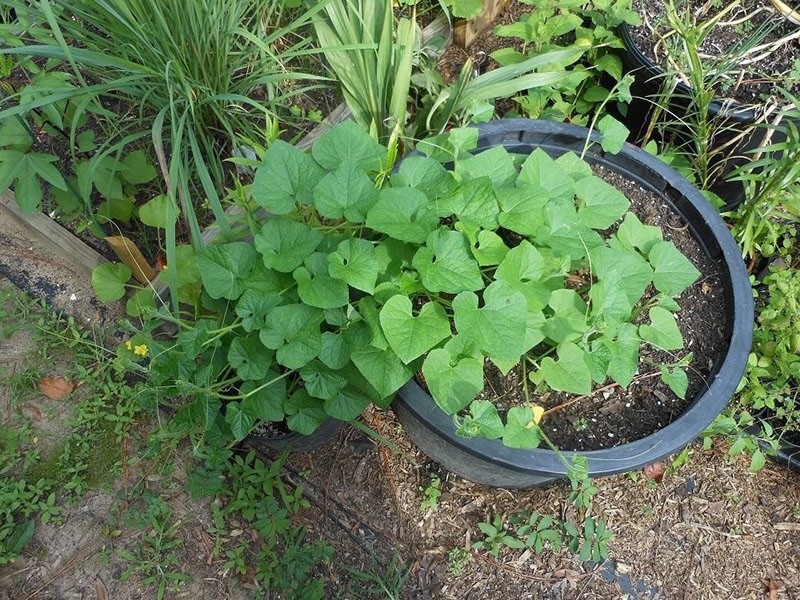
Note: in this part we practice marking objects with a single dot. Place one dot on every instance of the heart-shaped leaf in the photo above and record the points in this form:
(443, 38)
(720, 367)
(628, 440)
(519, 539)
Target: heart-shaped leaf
(249, 357)
(499, 326)
(411, 336)
(570, 373)
(284, 244)
(346, 192)
(483, 420)
(356, 263)
(108, 281)
(225, 268)
(406, 214)
(316, 287)
(453, 381)
(265, 398)
(446, 264)
(673, 272)
(382, 368)
(521, 430)
(286, 178)
(662, 331)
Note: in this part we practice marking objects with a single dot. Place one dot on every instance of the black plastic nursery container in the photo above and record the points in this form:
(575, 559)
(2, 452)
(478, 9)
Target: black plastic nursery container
(489, 461)
(732, 119)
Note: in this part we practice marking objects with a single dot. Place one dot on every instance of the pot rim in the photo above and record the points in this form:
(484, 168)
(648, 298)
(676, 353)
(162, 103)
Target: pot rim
(662, 179)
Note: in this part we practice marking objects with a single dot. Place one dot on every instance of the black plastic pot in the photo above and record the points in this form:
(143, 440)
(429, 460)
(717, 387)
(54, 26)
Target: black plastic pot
(732, 118)
(489, 461)
(295, 442)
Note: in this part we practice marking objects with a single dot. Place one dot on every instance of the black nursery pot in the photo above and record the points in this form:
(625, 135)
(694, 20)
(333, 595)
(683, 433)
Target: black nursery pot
(733, 118)
(489, 461)
(296, 442)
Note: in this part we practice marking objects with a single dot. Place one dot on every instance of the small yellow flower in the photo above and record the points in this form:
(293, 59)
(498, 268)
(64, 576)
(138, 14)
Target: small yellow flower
(129, 345)
(537, 412)
(141, 350)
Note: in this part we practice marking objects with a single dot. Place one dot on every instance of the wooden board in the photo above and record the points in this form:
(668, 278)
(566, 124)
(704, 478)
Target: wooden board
(465, 32)
(42, 258)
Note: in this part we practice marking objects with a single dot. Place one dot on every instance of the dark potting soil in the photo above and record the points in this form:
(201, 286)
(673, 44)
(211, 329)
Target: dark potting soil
(751, 79)
(611, 415)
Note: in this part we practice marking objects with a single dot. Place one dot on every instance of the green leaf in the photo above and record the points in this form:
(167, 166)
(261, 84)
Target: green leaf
(347, 142)
(14, 136)
(334, 351)
(601, 204)
(141, 303)
(567, 235)
(673, 272)
(757, 461)
(266, 403)
(609, 302)
(495, 163)
(106, 175)
(611, 64)
(663, 330)
(346, 192)
(574, 166)
(348, 404)
(526, 270)
(253, 307)
(294, 331)
(405, 214)
(153, 213)
(623, 268)
(633, 234)
(676, 379)
(445, 263)
(25, 169)
(225, 268)
(316, 287)
(524, 210)
(20, 536)
(453, 381)
(570, 373)
(322, 382)
(483, 421)
(568, 322)
(411, 336)
(541, 172)
(305, 414)
(138, 168)
(286, 178)
(521, 431)
(488, 248)
(116, 209)
(108, 281)
(240, 421)
(382, 368)
(466, 9)
(614, 134)
(499, 326)
(475, 204)
(624, 353)
(427, 175)
(355, 263)
(249, 357)
(285, 244)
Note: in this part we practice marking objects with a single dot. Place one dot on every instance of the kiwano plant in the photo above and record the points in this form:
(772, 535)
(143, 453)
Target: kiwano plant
(363, 276)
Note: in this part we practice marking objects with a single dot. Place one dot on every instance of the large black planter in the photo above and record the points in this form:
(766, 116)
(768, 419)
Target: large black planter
(489, 461)
(736, 131)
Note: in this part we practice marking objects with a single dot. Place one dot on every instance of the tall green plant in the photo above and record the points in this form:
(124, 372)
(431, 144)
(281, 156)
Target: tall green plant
(372, 59)
(194, 76)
